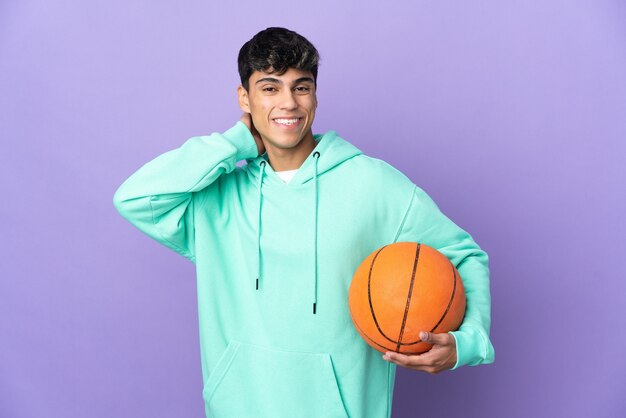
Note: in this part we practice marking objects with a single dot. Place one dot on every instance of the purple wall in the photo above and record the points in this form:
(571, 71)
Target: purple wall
(511, 115)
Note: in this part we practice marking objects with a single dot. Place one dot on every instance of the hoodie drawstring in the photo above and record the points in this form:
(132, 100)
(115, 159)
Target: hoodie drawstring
(258, 229)
(316, 155)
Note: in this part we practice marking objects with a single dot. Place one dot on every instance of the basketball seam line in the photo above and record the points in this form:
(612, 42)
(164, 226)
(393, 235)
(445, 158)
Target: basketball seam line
(445, 313)
(370, 338)
(408, 298)
(369, 296)
(451, 299)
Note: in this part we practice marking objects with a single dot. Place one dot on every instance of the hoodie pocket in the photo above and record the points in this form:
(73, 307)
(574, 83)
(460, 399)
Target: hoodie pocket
(255, 381)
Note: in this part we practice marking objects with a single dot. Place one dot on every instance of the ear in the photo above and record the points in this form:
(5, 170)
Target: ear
(315, 97)
(244, 102)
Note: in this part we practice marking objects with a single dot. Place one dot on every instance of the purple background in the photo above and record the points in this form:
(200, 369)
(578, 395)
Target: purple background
(511, 115)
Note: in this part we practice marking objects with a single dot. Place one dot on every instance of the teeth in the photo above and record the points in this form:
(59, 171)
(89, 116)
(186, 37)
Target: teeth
(286, 121)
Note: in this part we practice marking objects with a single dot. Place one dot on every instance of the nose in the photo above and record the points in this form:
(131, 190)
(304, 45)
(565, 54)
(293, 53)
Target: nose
(287, 100)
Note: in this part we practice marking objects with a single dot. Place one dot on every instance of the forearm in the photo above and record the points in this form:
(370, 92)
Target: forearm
(426, 224)
(159, 197)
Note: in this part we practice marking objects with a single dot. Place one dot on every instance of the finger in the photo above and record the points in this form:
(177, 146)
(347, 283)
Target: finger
(416, 360)
(245, 118)
(397, 358)
(439, 339)
(430, 362)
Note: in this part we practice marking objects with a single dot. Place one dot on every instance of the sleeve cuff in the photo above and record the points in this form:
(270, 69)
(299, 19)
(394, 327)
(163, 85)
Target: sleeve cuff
(241, 137)
(472, 348)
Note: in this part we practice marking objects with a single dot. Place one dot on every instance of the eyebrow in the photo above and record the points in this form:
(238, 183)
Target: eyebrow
(277, 81)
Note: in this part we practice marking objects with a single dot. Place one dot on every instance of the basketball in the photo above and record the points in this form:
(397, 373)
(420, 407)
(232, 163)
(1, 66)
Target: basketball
(402, 289)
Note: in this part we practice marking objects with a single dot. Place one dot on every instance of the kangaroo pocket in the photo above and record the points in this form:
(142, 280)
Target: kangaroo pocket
(255, 381)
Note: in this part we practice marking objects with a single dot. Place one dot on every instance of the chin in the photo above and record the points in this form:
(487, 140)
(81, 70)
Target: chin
(284, 143)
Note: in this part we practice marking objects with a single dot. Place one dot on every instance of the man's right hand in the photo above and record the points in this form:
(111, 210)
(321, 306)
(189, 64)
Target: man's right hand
(247, 120)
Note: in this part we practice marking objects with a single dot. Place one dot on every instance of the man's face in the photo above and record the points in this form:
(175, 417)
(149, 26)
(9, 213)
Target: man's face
(282, 107)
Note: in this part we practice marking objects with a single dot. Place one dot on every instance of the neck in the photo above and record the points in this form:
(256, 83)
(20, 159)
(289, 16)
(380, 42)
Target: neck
(283, 159)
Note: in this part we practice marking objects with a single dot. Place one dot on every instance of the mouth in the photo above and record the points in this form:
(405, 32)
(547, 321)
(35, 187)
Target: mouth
(287, 122)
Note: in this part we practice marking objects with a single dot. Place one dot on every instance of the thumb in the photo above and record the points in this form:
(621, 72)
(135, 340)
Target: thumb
(439, 339)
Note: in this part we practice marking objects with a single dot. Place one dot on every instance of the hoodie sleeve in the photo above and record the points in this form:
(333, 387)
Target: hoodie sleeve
(159, 198)
(425, 223)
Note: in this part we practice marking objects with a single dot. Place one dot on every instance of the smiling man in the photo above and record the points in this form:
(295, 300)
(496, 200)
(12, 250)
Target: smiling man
(277, 241)
(282, 109)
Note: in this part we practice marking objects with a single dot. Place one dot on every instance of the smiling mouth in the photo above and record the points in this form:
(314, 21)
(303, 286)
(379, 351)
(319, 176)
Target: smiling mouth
(287, 121)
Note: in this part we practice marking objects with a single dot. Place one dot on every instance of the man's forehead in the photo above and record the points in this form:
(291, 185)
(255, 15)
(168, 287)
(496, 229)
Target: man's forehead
(292, 75)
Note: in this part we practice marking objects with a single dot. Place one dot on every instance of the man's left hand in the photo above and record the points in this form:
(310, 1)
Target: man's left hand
(442, 356)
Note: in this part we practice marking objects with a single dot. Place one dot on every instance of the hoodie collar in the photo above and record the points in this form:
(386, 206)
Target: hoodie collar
(333, 149)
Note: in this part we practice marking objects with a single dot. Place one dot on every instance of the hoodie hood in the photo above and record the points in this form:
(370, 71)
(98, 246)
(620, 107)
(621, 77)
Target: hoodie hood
(330, 151)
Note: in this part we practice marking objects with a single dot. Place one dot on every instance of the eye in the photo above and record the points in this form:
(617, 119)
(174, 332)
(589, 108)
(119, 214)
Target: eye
(302, 89)
(269, 89)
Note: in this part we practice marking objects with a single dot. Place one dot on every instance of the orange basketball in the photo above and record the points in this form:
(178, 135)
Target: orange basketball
(402, 289)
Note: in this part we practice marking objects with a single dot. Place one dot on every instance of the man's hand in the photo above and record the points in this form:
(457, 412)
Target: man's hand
(439, 358)
(247, 119)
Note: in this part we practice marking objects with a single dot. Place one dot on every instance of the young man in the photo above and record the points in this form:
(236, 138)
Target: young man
(277, 241)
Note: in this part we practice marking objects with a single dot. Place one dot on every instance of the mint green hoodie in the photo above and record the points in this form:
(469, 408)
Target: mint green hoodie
(274, 263)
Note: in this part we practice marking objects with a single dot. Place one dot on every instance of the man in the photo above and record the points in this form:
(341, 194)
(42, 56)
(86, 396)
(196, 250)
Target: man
(276, 242)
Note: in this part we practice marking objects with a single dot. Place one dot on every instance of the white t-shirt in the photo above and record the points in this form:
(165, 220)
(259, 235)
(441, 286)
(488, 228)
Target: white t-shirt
(286, 175)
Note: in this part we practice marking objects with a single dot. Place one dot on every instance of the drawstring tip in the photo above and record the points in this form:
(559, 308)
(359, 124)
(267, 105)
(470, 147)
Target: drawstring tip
(257, 283)
(314, 307)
